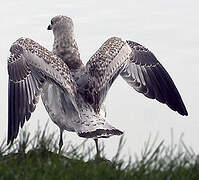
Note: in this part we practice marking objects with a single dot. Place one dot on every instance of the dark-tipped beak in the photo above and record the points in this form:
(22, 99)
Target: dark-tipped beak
(49, 27)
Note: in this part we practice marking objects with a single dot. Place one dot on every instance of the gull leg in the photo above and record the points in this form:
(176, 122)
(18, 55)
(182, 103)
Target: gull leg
(97, 148)
(60, 140)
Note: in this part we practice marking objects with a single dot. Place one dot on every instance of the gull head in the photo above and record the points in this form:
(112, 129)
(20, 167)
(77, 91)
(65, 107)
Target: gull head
(61, 25)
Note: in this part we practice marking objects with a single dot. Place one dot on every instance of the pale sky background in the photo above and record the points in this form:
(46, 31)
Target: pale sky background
(170, 29)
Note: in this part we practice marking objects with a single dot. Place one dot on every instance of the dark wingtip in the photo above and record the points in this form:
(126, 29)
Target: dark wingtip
(9, 141)
(184, 112)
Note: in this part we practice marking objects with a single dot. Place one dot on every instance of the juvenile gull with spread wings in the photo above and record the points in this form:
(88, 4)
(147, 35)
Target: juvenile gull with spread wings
(73, 94)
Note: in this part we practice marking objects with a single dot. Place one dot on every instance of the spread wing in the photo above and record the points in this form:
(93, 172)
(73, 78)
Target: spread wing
(29, 67)
(102, 69)
(146, 75)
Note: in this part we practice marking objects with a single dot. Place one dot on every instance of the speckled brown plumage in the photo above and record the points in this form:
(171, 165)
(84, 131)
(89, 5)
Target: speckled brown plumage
(74, 94)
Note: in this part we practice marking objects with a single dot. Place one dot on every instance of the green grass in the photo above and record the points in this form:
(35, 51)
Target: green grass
(37, 158)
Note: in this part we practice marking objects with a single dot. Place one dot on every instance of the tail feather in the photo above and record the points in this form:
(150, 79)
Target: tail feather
(100, 133)
(94, 125)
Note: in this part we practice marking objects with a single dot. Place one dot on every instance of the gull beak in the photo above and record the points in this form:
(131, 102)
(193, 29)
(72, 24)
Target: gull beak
(49, 27)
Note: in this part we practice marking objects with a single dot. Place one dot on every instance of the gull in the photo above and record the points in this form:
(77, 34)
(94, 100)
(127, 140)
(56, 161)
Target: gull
(73, 93)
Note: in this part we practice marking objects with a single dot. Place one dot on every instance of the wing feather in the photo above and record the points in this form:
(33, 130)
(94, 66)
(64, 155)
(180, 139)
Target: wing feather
(148, 86)
(146, 75)
(102, 69)
(21, 94)
(29, 67)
